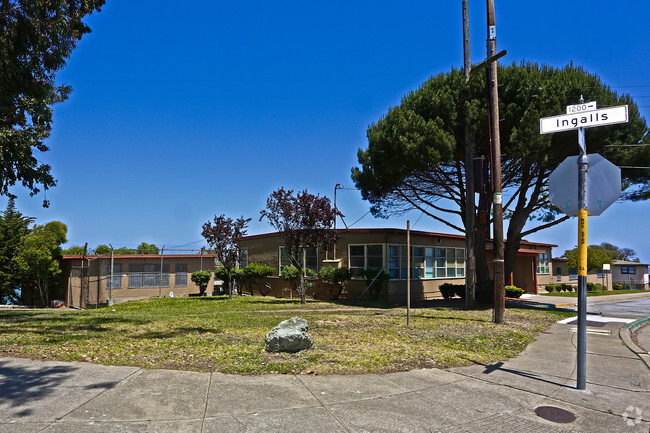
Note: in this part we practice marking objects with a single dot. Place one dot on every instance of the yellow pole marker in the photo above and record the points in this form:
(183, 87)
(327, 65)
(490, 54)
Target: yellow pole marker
(582, 242)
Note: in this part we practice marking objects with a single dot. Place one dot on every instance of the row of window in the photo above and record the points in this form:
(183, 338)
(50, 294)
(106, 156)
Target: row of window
(145, 275)
(631, 270)
(427, 262)
(573, 272)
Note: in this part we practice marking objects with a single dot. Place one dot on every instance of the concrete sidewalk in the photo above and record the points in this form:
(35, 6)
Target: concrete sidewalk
(80, 397)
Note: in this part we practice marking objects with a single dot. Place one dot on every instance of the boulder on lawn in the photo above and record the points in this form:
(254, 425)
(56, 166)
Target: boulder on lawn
(289, 336)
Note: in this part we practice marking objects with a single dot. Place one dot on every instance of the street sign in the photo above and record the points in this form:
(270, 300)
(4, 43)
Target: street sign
(603, 185)
(586, 119)
(579, 108)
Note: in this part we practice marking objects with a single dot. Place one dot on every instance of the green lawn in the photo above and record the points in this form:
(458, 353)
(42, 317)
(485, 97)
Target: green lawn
(215, 334)
(594, 293)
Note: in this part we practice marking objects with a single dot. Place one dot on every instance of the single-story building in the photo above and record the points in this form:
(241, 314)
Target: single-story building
(89, 280)
(437, 258)
(633, 274)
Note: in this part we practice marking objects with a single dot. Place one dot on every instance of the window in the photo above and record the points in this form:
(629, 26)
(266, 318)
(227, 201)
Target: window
(558, 273)
(427, 262)
(366, 256)
(542, 264)
(393, 261)
(601, 273)
(309, 258)
(628, 270)
(418, 262)
(243, 257)
(143, 275)
(180, 279)
(117, 277)
(573, 273)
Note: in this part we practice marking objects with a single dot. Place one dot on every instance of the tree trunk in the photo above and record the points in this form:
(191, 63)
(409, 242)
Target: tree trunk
(483, 280)
(42, 291)
(229, 282)
(515, 226)
(303, 290)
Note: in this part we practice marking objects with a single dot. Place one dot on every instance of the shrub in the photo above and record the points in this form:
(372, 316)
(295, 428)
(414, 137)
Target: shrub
(617, 286)
(594, 287)
(369, 275)
(201, 279)
(459, 289)
(337, 277)
(514, 292)
(447, 290)
(567, 288)
(550, 288)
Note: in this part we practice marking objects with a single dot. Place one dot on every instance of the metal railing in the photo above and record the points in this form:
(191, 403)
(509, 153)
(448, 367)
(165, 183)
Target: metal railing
(148, 279)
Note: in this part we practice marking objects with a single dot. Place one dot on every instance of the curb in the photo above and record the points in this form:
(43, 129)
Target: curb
(626, 335)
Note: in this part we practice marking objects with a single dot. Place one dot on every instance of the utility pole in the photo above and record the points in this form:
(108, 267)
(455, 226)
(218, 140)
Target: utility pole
(497, 200)
(112, 280)
(162, 253)
(408, 273)
(470, 210)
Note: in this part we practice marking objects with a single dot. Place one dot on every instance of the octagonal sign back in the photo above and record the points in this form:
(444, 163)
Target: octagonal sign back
(603, 185)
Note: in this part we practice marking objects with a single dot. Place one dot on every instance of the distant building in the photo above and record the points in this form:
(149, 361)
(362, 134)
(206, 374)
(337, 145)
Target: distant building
(621, 272)
(89, 281)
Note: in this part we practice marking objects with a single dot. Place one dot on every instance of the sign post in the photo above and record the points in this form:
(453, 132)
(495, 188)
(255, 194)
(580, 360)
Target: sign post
(581, 116)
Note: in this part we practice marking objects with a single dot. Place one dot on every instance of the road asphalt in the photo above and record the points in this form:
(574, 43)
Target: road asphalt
(534, 392)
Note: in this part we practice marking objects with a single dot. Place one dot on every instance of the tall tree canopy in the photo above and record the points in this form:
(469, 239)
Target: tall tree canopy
(415, 154)
(36, 39)
(596, 257)
(223, 235)
(303, 220)
(14, 226)
(38, 258)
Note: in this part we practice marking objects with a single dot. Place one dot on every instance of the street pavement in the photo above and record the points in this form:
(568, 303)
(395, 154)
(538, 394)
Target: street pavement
(632, 305)
(38, 396)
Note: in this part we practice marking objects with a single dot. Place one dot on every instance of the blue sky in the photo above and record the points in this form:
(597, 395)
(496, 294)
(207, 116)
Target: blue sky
(190, 109)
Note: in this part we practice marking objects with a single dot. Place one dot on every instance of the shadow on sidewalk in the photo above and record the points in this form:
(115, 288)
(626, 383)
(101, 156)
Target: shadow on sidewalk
(20, 385)
(499, 367)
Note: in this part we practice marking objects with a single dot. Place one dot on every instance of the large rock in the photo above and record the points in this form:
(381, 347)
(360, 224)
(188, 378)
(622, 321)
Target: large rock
(289, 336)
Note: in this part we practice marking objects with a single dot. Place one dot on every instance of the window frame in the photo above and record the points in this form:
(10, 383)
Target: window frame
(366, 256)
(282, 248)
(543, 263)
(178, 281)
(117, 277)
(432, 257)
(628, 270)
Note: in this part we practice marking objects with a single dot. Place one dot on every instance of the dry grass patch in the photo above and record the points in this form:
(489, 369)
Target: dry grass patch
(228, 336)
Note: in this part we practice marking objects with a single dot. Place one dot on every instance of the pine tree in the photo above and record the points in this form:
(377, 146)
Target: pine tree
(14, 226)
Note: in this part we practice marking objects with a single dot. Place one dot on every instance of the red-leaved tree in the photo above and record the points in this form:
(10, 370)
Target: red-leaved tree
(223, 235)
(303, 220)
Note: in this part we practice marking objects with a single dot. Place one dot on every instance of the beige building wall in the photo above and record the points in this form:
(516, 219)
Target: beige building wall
(86, 282)
(265, 249)
(561, 274)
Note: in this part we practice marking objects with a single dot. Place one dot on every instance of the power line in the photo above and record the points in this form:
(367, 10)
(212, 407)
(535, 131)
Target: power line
(364, 215)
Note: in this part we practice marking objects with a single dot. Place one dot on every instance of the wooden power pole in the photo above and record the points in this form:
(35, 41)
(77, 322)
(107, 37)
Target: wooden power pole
(497, 200)
(470, 208)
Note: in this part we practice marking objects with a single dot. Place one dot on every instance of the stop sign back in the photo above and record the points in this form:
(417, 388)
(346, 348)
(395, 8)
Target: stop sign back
(603, 185)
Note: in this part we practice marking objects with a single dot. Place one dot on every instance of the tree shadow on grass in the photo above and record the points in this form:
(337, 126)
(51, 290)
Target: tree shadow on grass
(177, 332)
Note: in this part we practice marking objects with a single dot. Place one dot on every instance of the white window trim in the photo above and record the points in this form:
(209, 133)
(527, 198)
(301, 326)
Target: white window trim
(304, 258)
(384, 257)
